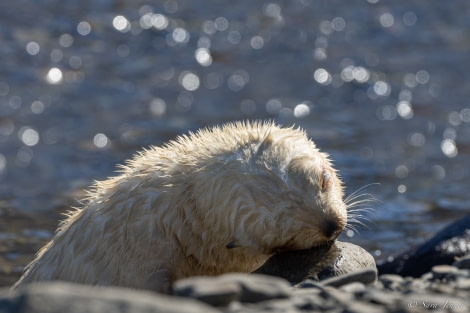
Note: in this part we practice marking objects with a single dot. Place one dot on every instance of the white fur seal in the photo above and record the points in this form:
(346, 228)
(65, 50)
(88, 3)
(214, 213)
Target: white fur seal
(220, 200)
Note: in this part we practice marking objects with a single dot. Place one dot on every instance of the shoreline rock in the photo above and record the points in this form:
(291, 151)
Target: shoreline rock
(336, 278)
(445, 289)
(320, 263)
(445, 247)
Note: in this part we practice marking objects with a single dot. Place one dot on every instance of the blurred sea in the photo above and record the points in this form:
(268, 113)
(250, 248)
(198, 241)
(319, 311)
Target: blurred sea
(380, 85)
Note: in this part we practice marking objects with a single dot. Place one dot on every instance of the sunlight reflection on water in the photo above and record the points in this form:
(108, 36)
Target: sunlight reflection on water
(379, 86)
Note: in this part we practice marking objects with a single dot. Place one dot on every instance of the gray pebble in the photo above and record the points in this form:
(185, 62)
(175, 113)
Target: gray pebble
(392, 282)
(221, 290)
(210, 290)
(379, 297)
(353, 288)
(463, 284)
(361, 307)
(256, 288)
(444, 272)
(365, 276)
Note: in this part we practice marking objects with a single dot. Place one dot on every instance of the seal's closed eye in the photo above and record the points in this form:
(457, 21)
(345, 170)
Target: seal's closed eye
(325, 182)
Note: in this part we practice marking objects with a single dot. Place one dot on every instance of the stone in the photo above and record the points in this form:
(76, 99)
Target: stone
(256, 288)
(378, 297)
(444, 272)
(463, 262)
(443, 248)
(210, 290)
(318, 263)
(361, 307)
(221, 290)
(54, 297)
(463, 284)
(392, 282)
(366, 276)
(353, 288)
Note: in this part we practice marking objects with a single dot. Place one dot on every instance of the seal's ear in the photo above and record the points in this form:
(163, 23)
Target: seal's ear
(264, 145)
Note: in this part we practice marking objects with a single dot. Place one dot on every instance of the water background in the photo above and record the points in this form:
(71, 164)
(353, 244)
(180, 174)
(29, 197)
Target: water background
(380, 85)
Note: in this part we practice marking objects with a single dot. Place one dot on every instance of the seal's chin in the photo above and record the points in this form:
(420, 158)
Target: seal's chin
(297, 244)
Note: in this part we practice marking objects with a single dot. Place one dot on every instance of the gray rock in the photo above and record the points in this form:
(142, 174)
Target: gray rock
(256, 288)
(210, 290)
(379, 297)
(463, 284)
(365, 276)
(55, 297)
(319, 263)
(361, 307)
(392, 282)
(353, 288)
(221, 290)
(444, 272)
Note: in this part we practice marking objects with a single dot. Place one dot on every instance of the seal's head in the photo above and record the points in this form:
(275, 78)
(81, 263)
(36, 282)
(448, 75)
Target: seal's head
(288, 197)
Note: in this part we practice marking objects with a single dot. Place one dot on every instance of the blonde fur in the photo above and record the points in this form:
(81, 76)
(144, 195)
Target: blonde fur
(220, 200)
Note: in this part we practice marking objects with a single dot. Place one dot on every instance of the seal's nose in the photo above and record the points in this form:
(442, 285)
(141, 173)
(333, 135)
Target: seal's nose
(331, 229)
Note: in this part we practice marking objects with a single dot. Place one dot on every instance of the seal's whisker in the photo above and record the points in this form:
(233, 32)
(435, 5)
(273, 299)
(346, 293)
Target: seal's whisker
(360, 198)
(356, 192)
(358, 204)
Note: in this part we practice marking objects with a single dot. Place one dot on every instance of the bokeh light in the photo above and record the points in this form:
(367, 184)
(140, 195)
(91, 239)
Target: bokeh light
(322, 76)
(158, 107)
(257, 42)
(203, 56)
(189, 81)
(301, 110)
(273, 106)
(84, 28)
(449, 148)
(180, 35)
(100, 140)
(32, 48)
(29, 136)
(238, 80)
(121, 24)
(66, 40)
(37, 107)
(54, 76)
(387, 20)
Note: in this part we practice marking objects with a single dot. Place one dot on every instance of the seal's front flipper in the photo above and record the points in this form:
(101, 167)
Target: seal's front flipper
(160, 281)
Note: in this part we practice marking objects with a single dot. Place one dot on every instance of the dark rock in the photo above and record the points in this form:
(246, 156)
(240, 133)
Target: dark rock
(72, 298)
(318, 263)
(444, 248)
(463, 262)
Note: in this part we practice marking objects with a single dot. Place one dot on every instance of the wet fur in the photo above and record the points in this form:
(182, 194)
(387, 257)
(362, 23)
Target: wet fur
(220, 200)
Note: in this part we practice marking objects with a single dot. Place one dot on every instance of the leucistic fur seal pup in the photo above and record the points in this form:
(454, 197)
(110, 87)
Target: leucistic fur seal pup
(220, 200)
